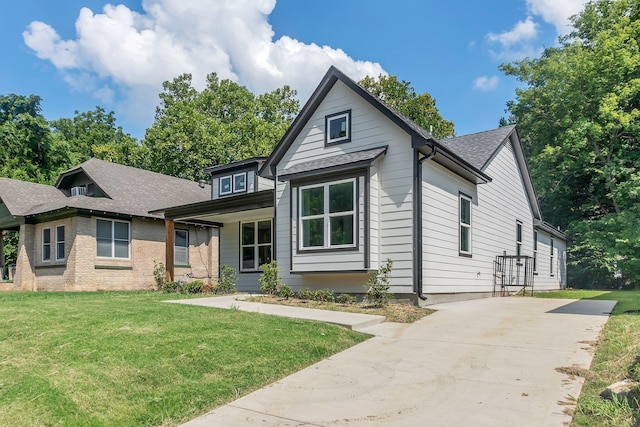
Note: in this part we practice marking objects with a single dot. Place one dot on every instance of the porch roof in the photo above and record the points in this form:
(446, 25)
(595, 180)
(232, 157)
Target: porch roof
(206, 212)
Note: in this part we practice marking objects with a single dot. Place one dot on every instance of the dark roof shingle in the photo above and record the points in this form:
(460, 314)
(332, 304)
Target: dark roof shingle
(478, 148)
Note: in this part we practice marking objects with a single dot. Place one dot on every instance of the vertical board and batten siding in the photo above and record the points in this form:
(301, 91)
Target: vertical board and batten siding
(496, 207)
(543, 279)
(393, 211)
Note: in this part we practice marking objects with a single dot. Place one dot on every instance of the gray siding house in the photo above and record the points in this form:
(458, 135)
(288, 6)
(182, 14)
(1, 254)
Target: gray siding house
(354, 183)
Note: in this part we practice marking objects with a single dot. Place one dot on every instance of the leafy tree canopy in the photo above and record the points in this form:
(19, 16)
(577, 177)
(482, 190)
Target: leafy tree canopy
(578, 114)
(25, 151)
(224, 122)
(402, 97)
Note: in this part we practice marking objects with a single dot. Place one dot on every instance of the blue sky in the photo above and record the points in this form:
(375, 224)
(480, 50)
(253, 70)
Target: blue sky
(77, 54)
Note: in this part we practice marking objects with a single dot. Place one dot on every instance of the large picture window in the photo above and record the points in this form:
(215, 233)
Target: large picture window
(60, 255)
(465, 225)
(255, 244)
(112, 238)
(181, 247)
(46, 244)
(327, 215)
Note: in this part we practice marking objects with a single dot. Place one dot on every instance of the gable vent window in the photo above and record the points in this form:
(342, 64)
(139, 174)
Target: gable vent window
(79, 191)
(338, 127)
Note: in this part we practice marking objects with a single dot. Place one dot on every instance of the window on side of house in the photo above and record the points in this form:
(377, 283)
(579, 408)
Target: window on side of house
(518, 238)
(46, 244)
(255, 244)
(60, 254)
(465, 225)
(535, 251)
(551, 257)
(327, 215)
(112, 238)
(338, 127)
(181, 247)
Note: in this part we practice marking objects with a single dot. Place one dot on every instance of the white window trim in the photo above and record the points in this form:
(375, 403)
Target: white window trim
(113, 239)
(463, 225)
(230, 178)
(175, 231)
(61, 257)
(244, 187)
(48, 244)
(339, 116)
(535, 251)
(255, 244)
(551, 257)
(326, 216)
(519, 238)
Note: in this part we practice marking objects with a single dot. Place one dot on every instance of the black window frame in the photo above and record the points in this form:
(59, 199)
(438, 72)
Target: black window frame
(327, 127)
(255, 245)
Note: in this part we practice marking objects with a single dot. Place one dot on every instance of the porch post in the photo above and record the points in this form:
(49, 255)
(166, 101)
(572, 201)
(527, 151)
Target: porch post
(2, 262)
(169, 226)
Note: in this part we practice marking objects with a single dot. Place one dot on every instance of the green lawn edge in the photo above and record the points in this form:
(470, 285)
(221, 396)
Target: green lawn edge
(128, 358)
(617, 357)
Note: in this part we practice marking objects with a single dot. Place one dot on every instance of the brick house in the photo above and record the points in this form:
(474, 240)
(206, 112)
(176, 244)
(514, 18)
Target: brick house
(92, 230)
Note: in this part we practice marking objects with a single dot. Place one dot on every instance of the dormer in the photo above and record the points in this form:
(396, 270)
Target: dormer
(238, 178)
(78, 183)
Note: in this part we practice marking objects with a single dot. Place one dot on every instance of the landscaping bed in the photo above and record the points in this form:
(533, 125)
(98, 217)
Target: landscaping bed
(400, 312)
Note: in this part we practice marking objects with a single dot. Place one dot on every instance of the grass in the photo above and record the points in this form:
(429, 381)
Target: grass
(394, 312)
(115, 359)
(617, 357)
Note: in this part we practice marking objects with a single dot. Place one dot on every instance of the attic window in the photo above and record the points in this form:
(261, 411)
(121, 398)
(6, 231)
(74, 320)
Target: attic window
(236, 183)
(338, 127)
(79, 191)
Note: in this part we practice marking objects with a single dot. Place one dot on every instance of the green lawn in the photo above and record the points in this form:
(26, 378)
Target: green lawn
(617, 357)
(95, 359)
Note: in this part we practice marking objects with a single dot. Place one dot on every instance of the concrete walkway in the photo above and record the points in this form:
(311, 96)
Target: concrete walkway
(489, 362)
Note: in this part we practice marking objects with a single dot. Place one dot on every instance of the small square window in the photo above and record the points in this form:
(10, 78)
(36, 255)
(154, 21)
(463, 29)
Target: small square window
(338, 127)
(225, 185)
(240, 182)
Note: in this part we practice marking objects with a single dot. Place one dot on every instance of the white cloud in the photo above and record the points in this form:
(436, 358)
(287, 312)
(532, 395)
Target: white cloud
(523, 31)
(485, 84)
(132, 53)
(556, 12)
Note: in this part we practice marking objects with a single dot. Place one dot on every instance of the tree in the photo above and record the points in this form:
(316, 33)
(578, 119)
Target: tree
(25, 151)
(95, 134)
(402, 97)
(223, 123)
(579, 118)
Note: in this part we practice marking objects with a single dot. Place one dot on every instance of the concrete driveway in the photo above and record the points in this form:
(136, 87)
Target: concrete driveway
(488, 362)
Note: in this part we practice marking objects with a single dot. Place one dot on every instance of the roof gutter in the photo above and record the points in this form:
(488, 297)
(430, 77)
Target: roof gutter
(417, 223)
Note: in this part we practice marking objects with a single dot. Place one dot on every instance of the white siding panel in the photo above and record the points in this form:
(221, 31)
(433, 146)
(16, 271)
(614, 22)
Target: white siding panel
(495, 209)
(394, 172)
(544, 280)
(265, 184)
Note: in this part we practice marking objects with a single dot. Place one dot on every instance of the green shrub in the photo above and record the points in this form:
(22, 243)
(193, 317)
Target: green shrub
(270, 279)
(159, 275)
(304, 294)
(346, 299)
(378, 293)
(227, 281)
(172, 287)
(194, 287)
(285, 291)
(323, 295)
